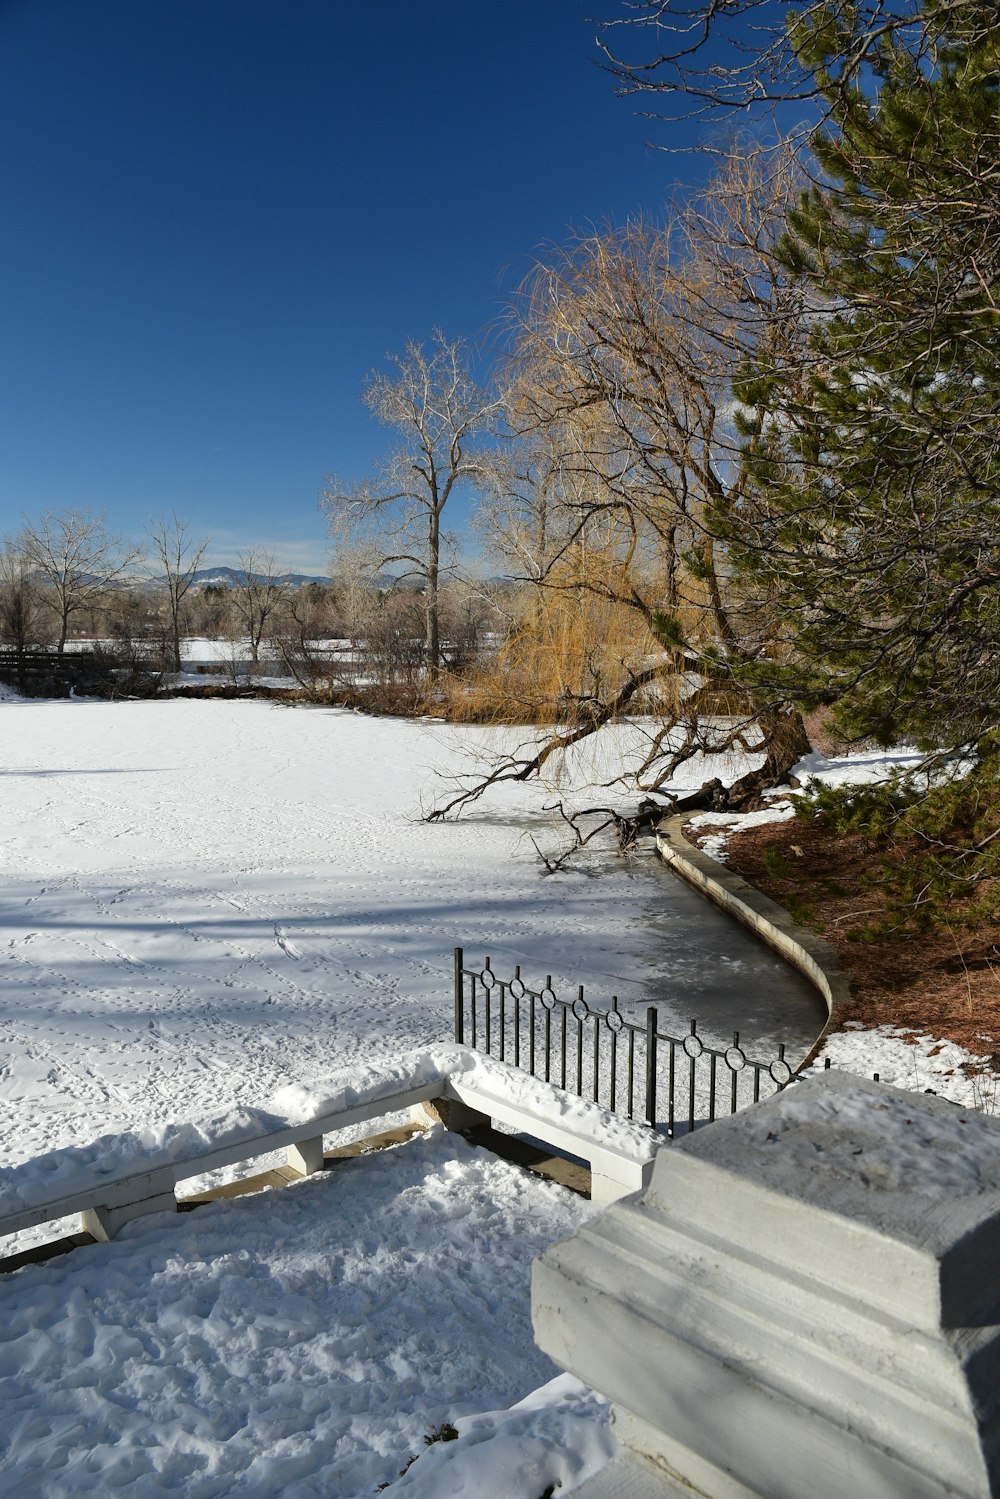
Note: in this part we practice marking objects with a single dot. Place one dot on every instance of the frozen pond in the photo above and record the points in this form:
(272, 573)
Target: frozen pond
(205, 901)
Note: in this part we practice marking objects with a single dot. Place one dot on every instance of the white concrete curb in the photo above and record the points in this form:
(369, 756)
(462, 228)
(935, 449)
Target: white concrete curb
(813, 957)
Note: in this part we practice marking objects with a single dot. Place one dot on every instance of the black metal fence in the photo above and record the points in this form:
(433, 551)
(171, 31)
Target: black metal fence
(630, 1066)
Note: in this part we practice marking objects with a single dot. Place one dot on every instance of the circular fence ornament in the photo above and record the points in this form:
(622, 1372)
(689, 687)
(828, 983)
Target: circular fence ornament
(614, 1021)
(580, 1009)
(736, 1058)
(693, 1047)
(487, 978)
(780, 1073)
(516, 988)
(547, 998)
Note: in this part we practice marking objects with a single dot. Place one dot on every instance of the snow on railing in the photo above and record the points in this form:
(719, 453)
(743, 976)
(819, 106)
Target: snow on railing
(120, 1177)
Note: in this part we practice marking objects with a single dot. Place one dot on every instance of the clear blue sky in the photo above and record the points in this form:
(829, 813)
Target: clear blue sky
(219, 215)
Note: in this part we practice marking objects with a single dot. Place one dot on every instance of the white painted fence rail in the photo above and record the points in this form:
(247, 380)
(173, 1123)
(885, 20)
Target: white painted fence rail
(121, 1177)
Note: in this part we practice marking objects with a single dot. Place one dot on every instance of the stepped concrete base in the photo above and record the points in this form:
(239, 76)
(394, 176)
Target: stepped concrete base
(804, 1302)
(628, 1476)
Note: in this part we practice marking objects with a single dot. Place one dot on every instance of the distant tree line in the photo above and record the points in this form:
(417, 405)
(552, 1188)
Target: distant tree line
(66, 580)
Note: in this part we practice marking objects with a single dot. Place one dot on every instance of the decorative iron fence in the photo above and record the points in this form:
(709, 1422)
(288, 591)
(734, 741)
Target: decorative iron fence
(631, 1067)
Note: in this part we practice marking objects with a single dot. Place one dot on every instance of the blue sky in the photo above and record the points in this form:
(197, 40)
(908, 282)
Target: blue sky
(219, 215)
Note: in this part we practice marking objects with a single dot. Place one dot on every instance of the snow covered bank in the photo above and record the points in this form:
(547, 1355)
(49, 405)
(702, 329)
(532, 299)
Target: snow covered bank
(862, 768)
(902, 1055)
(552, 1441)
(910, 1059)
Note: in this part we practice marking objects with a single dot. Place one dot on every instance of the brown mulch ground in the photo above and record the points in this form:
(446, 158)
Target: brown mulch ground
(945, 982)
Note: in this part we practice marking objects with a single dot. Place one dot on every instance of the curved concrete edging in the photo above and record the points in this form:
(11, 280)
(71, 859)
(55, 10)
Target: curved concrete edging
(813, 957)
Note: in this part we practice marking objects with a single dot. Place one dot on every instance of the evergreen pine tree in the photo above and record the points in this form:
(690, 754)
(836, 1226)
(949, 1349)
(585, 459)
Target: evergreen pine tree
(872, 515)
(870, 520)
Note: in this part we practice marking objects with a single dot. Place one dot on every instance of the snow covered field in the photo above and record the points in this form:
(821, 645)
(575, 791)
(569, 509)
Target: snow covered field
(206, 901)
(300, 1343)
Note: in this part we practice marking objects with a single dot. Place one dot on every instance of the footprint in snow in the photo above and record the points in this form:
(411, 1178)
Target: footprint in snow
(288, 948)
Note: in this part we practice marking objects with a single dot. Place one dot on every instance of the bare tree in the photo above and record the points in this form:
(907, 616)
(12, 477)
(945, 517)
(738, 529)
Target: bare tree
(740, 60)
(524, 517)
(393, 650)
(628, 343)
(301, 634)
(726, 60)
(19, 604)
(209, 611)
(177, 558)
(258, 596)
(77, 559)
(439, 410)
(355, 601)
(128, 658)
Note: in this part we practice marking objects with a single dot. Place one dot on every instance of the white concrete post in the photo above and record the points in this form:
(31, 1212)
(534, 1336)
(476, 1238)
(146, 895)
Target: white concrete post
(306, 1156)
(805, 1302)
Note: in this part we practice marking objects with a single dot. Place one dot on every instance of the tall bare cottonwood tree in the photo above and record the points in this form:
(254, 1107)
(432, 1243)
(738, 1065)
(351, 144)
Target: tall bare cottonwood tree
(439, 410)
(259, 596)
(77, 559)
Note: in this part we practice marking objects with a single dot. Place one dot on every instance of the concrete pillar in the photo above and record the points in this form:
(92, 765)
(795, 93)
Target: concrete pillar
(431, 1112)
(606, 1189)
(804, 1302)
(306, 1156)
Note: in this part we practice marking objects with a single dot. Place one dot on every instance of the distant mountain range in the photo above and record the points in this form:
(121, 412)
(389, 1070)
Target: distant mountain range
(235, 577)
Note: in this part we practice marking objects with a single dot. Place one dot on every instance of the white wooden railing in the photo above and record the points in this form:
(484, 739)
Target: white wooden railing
(118, 1179)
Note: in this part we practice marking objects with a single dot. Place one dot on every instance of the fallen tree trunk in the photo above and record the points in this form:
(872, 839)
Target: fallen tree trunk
(785, 743)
